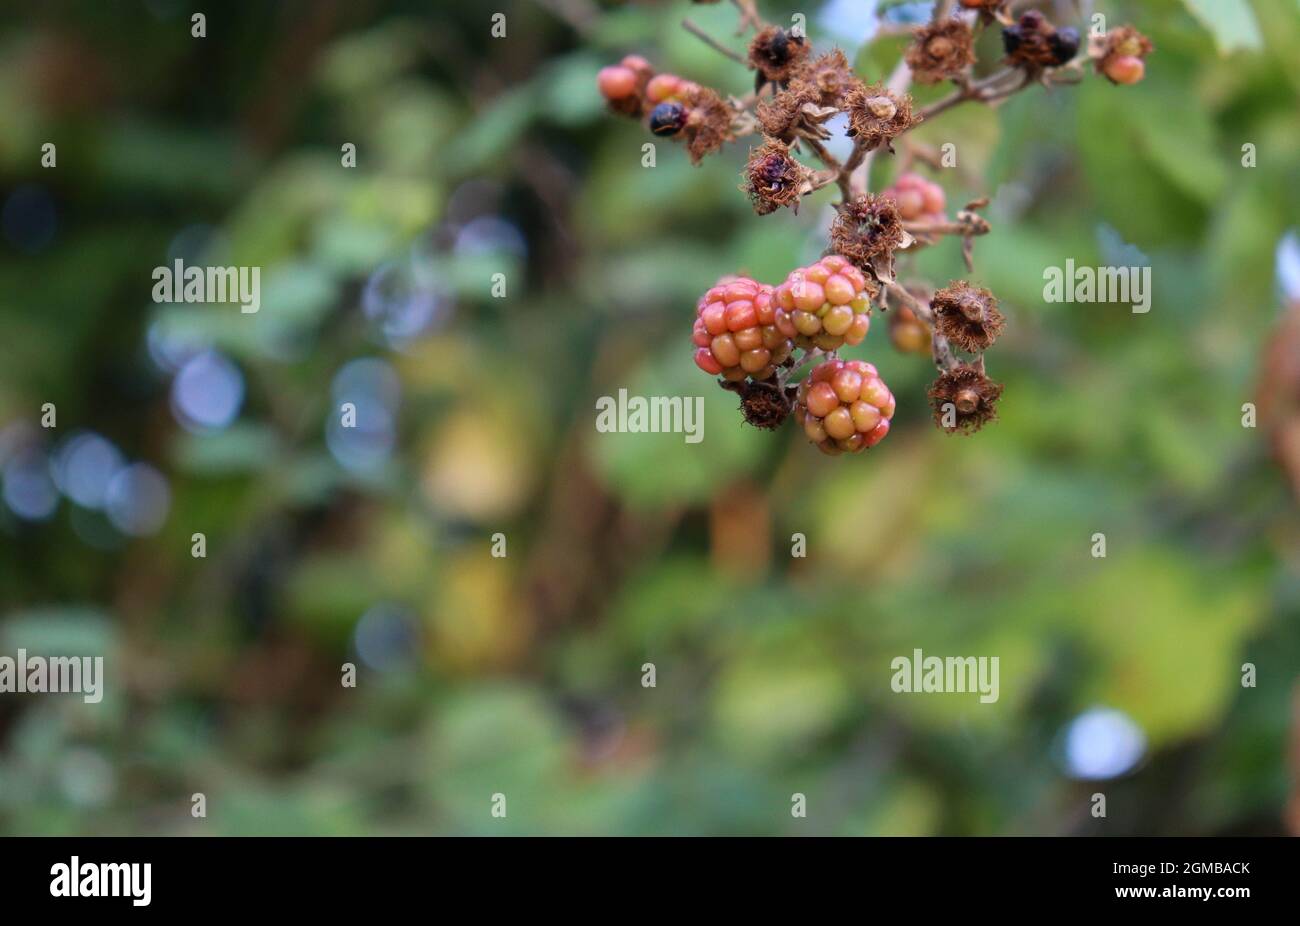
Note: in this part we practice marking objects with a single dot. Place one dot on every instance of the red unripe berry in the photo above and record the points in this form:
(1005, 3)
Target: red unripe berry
(1125, 69)
(935, 201)
(705, 360)
(637, 64)
(822, 400)
(847, 384)
(808, 296)
(911, 203)
(664, 87)
(616, 82)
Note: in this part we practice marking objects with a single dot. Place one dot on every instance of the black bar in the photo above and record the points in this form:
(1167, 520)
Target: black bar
(335, 876)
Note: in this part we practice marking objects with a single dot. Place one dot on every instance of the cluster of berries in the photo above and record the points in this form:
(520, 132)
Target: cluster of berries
(671, 106)
(624, 84)
(844, 406)
(918, 199)
(747, 332)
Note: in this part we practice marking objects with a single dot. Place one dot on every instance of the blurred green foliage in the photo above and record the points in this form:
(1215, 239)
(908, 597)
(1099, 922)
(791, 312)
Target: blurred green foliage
(522, 675)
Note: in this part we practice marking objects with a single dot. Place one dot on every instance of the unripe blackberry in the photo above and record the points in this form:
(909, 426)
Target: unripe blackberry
(623, 84)
(616, 82)
(640, 66)
(1126, 69)
(1119, 55)
(740, 331)
(669, 87)
(918, 199)
(844, 406)
(829, 303)
(908, 333)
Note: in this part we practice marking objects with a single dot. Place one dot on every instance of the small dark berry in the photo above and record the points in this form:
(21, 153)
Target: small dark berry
(1064, 44)
(667, 118)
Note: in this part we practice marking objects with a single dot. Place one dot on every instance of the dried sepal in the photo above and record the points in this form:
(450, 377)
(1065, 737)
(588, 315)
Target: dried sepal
(765, 404)
(878, 115)
(795, 111)
(776, 53)
(774, 179)
(967, 316)
(829, 76)
(941, 50)
(964, 399)
(708, 123)
(867, 231)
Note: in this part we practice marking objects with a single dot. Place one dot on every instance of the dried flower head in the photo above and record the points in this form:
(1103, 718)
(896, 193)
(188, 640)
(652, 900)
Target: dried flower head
(774, 179)
(794, 111)
(776, 53)
(877, 115)
(964, 399)
(967, 316)
(763, 403)
(829, 76)
(1126, 41)
(708, 123)
(941, 50)
(866, 231)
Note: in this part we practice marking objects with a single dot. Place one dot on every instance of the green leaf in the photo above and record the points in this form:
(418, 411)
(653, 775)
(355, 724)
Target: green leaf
(1231, 22)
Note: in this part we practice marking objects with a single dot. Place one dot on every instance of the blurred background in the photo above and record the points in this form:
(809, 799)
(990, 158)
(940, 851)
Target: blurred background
(523, 674)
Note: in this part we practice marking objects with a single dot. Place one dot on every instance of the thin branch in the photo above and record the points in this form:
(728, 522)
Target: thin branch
(809, 354)
(748, 16)
(982, 91)
(920, 308)
(711, 41)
